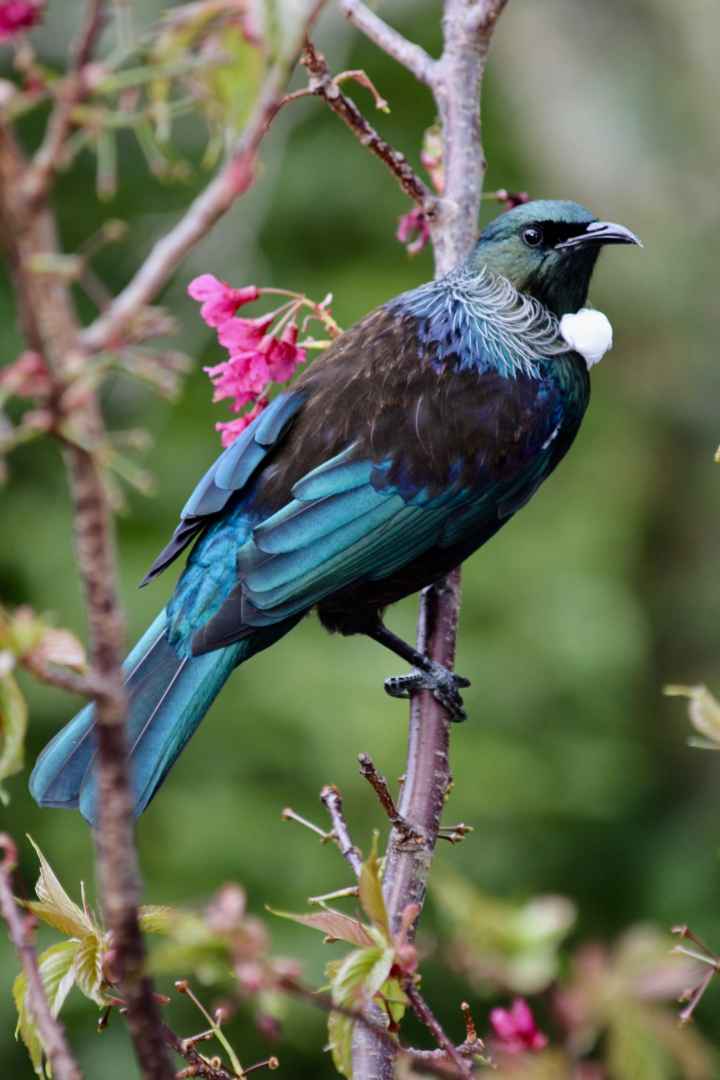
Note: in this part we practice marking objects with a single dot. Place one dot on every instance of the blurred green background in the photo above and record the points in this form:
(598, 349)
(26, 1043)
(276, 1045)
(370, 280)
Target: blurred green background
(572, 767)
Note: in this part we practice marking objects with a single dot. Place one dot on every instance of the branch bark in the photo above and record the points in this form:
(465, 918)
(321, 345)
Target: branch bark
(52, 329)
(113, 326)
(20, 925)
(456, 82)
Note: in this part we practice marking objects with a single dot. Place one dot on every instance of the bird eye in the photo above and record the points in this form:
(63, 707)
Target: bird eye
(532, 236)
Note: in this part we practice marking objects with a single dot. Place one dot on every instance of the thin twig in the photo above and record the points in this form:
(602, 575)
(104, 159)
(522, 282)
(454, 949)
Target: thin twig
(426, 1016)
(332, 801)
(61, 678)
(51, 327)
(185, 1049)
(72, 90)
(420, 1059)
(407, 53)
(325, 86)
(20, 926)
(380, 786)
(237, 175)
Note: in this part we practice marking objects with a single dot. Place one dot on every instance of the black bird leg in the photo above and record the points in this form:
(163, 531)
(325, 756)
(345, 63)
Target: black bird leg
(427, 674)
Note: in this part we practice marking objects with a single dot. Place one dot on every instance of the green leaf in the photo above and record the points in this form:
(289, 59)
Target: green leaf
(395, 999)
(234, 85)
(57, 972)
(13, 725)
(89, 968)
(516, 944)
(336, 925)
(353, 982)
(633, 1050)
(156, 918)
(26, 1029)
(56, 907)
(371, 896)
(361, 974)
(340, 1033)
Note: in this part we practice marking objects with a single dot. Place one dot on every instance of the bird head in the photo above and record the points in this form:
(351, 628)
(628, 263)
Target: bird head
(547, 249)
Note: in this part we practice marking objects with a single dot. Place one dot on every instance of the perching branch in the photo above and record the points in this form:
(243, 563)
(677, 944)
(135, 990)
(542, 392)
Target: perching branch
(20, 926)
(455, 82)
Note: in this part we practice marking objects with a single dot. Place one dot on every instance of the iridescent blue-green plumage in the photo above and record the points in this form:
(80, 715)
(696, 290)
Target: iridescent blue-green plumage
(401, 450)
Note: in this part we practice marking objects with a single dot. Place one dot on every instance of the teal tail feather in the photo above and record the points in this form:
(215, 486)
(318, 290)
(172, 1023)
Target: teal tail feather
(168, 696)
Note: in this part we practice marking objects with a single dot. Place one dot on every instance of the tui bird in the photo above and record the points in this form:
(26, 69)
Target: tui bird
(399, 451)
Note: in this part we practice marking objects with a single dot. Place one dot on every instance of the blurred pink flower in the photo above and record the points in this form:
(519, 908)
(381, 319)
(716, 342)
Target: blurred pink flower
(515, 1029)
(219, 300)
(27, 376)
(414, 223)
(18, 15)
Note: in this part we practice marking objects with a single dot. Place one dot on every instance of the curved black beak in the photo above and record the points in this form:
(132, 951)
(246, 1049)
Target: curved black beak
(599, 232)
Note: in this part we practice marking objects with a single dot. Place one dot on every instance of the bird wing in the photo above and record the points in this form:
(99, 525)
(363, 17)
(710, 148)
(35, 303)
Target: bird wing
(354, 519)
(228, 475)
(338, 528)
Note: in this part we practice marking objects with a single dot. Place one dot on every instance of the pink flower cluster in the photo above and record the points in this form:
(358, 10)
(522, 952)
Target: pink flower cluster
(257, 357)
(18, 15)
(515, 1029)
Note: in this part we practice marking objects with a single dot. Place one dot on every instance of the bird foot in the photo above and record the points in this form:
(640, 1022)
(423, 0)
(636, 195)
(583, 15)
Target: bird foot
(442, 684)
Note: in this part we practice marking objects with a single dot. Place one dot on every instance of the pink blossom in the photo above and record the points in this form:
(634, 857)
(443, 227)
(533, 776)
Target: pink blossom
(414, 223)
(283, 354)
(229, 430)
(242, 335)
(241, 378)
(18, 15)
(515, 1028)
(27, 376)
(219, 300)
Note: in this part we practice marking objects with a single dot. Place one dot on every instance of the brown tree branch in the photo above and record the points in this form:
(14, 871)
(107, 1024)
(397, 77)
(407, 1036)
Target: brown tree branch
(430, 1062)
(332, 801)
(325, 86)
(456, 84)
(407, 53)
(113, 326)
(51, 328)
(72, 90)
(20, 926)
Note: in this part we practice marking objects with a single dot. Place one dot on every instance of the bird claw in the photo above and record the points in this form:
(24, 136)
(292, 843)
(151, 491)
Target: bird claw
(442, 684)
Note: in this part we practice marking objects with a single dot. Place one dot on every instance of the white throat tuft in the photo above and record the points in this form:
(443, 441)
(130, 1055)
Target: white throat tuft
(589, 333)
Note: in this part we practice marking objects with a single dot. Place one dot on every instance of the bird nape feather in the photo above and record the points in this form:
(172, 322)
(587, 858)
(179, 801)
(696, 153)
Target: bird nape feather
(401, 450)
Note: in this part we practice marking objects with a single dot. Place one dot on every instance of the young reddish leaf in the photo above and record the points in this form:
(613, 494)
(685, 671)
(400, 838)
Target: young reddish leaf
(62, 648)
(333, 923)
